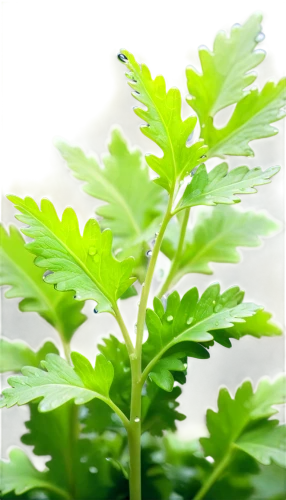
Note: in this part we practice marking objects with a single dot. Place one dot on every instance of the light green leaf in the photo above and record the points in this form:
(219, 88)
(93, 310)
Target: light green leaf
(26, 280)
(134, 203)
(173, 332)
(251, 119)
(259, 325)
(266, 443)
(269, 484)
(164, 124)
(99, 378)
(221, 186)
(241, 422)
(215, 238)
(16, 354)
(58, 383)
(84, 264)
(19, 475)
(225, 70)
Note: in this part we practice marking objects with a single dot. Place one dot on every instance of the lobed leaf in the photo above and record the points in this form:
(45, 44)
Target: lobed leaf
(221, 186)
(134, 203)
(26, 280)
(242, 423)
(252, 119)
(178, 331)
(164, 124)
(226, 69)
(14, 355)
(58, 382)
(84, 264)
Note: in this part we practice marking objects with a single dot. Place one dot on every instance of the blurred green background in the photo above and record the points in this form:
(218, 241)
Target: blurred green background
(61, 76)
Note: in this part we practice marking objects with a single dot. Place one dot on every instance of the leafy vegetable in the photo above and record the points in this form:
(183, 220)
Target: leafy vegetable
(18, 271)
(225, 71)
(81, 263)
(221, 187)
(133, 202)
(164, 124)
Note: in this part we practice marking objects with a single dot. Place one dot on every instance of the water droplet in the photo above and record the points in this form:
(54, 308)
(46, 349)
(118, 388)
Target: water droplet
(143, 284)
(126, 369)
(122, 58)
(77, 296)
(95, 310)
(190, 320)
(170, 318)
(117, 251)
(210, 459)
(171, 404)
(136, 92)
(92, 251)
(260, 37)
(136, 419)
(213, 301)
(156, 235)
(149, 253)
(193, 172)
(93, 470)
(185, 365)
(203, 156)
(47, 273)
(83, 460)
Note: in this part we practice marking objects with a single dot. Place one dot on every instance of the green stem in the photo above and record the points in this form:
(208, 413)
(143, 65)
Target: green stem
(176, 258)
(57, 490)
(127, 339)
(214, 476)
(134, 430)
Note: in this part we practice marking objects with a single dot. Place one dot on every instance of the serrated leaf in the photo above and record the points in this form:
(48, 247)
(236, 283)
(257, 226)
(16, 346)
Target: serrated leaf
(84, 264)
(160, 409)
(134, 203)
(19, 475)
(16, 354)
(252, 119)
(57, 383)
(164, 124)
(221, 186)
(243, 419)
(26, 280)
(267, 443)
(215, 238)
(174, 332)
(225, 70)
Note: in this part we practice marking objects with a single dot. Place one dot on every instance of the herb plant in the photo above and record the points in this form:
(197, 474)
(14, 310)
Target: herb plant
(108, 426)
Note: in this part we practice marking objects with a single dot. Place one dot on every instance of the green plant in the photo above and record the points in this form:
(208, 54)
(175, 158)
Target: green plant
(104, 426)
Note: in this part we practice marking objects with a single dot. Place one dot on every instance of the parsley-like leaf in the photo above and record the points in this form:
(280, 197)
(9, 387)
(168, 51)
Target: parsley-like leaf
(133, 201)
(242, 423)
(164, 124)
(19, 271)
(225, 70)
(85, 263)
(221, 186)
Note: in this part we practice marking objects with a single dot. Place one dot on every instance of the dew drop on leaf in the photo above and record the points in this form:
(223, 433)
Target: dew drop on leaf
(260, 37)
(122, 58)
(149, 253)
(93, 470)
(95, 310)
(136, 419)
(193, 172)
(189, 321)
(170, 318)
(83, 460)
(92, 251)
(47, 273)
(203, 156)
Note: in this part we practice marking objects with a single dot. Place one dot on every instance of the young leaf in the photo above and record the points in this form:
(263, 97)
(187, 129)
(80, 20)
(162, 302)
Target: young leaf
(26, 280)
(133, 202)
(19, 475)
(58, 383)
(81, 263)
(188, 321)
(215, 238)
(16, 354)
(225, 71)
(242, 423)
(251, 119)
(164, 124)
(221, 186)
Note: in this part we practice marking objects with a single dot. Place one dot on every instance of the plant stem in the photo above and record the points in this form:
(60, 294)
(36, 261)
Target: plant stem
(214, 476)
(176, 258)
(127, 339)
(134, 430)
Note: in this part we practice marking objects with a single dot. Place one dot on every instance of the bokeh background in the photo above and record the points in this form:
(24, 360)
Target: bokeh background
(62, 79)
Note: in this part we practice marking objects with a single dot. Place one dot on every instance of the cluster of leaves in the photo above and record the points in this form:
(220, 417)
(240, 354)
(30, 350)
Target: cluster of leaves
(79, 413)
